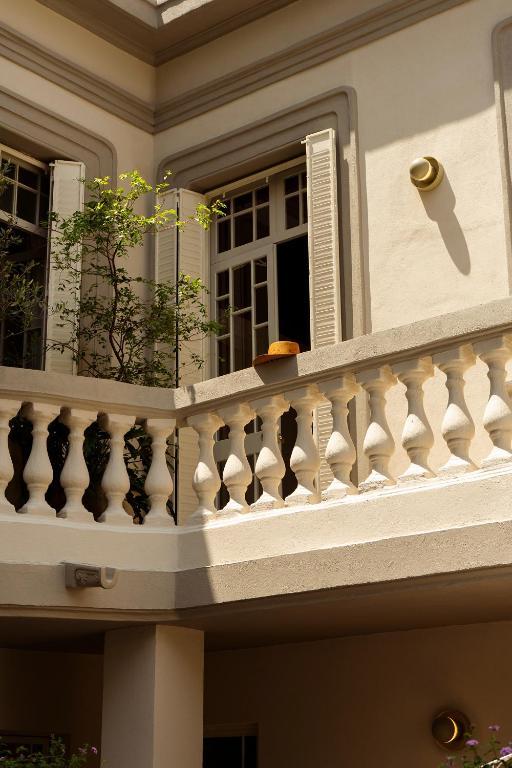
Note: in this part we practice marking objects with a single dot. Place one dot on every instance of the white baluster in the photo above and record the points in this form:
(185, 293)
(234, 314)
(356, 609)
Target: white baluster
(378, 443)
(417, 436)
(498, 414)
(237, 472)
(270, 467)
(116, 481)
(206, 482)
(8, 409)
(74, 477)
(340, 452)
(305, 459)
(159, 483)
(457, 427)
(38, 472)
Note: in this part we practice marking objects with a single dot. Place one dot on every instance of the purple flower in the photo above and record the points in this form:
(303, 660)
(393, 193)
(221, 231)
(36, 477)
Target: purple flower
(472, 743)
(504, 751)
(94, 750)
(494, 728)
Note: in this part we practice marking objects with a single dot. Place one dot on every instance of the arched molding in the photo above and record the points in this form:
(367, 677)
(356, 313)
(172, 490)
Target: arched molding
(48, 136)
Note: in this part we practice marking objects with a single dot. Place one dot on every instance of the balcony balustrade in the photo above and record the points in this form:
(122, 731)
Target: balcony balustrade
(400, 441)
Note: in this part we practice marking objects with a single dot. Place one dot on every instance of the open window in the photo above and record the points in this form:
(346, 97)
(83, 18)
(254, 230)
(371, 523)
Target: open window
(30, 189)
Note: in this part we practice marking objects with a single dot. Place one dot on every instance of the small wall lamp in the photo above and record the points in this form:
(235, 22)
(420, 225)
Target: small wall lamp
(426, 173)
(450, 728)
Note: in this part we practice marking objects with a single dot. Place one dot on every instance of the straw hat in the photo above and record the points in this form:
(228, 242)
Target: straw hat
(278, 350)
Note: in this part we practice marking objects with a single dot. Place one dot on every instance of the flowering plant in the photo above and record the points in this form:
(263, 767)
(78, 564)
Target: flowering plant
(56, 756)
(492, 753)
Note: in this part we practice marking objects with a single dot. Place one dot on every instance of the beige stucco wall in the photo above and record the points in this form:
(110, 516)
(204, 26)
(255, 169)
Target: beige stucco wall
(51, 692)
(362, 701)
(426, 89)
(54, 32)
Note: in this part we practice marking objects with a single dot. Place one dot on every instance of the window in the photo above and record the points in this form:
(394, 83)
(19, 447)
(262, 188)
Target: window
(24, 196)
(230, 752)
(260, 287)
(245, 265)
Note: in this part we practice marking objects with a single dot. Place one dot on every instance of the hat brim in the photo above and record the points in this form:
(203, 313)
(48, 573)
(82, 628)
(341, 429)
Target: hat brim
(261, 359)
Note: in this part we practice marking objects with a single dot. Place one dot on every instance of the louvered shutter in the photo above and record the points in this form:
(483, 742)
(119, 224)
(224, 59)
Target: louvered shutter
(324, 261)
(67, 196)
(186, 251)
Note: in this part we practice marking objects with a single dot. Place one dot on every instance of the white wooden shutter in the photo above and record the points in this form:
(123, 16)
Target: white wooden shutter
(324, 263)
(186, 251)
(67, 197)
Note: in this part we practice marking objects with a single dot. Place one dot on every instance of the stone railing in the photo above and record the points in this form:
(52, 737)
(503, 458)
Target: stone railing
(391, 367)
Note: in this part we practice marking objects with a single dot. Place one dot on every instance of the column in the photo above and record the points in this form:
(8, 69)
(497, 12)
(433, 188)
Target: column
(270, 468)
(378, 442)
(340, 452)
(153, 698)
(457, 427)
(74, 477)
(237, 472)
(159, 484)
(417, 436)
(305, 458)
(498, 414)
(38, 472)
(206, 480)
(116, 481)
(8, 409)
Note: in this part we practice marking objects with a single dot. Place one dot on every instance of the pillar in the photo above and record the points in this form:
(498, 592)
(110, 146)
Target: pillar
(153, 698)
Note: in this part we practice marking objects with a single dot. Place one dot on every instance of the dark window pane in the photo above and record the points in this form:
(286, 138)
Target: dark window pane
(8, 169)
(261, 305)
(223, 235)
(28, 177)
(43, 210)
(6, 198)
(292, 212)
(223, 282)
(262, 340)
(242, 329)
(260, 270)
(242, 286)
(304, 180)
(242, 202)
(243, 229)
(262, 195)
(223, 364)
(223, 314)
(250, 495)
(262, 222)
(304, 207)
(251, 752)
(26, 207)
(222, 500)
(226, 207)
(291, 184)
(222, 752)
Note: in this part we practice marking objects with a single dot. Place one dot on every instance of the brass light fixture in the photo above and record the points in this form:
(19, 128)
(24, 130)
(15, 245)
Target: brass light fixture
(426, 173)
(450, 728)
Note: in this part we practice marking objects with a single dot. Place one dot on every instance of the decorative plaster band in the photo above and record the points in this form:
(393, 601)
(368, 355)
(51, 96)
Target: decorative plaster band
(358, 31)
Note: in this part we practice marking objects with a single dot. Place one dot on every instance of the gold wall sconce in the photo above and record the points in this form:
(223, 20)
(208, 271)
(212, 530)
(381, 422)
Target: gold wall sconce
(426, 173)
(450, 729)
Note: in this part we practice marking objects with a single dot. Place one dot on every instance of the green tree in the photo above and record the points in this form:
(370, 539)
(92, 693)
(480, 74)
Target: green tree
(119, 325)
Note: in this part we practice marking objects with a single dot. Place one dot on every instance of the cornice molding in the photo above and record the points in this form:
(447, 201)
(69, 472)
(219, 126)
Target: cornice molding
(75, 79)
(349, 35)
(352, 34)
(147, 36)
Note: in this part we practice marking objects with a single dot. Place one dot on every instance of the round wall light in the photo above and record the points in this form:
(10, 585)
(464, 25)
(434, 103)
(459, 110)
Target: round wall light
(450, 728)
(426, 173)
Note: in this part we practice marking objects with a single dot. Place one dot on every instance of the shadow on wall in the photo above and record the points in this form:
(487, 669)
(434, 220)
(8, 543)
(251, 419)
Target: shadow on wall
(440, 207)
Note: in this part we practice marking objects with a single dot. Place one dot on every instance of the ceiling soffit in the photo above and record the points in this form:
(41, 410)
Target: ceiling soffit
(156, 31)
